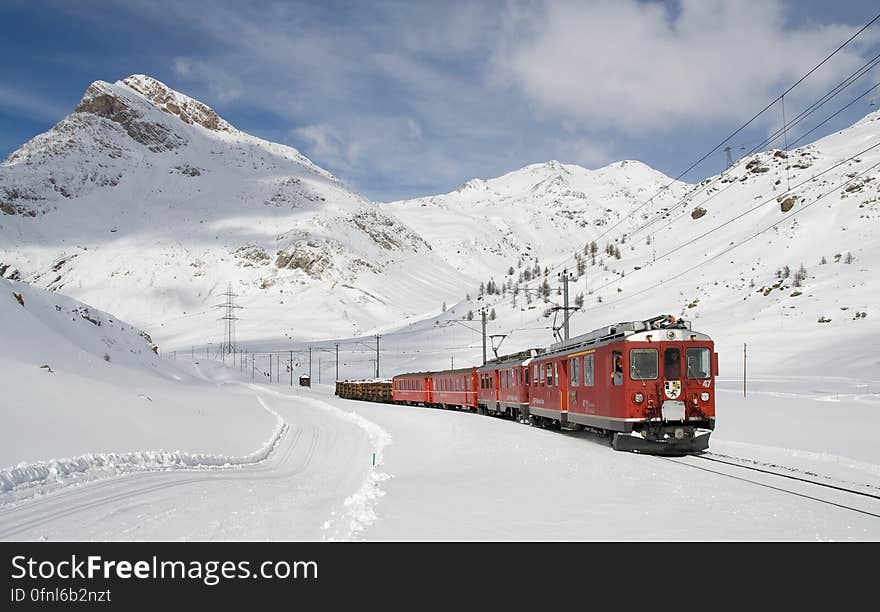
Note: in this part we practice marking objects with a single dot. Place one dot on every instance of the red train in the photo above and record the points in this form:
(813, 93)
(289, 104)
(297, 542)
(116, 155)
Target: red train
(648, 384)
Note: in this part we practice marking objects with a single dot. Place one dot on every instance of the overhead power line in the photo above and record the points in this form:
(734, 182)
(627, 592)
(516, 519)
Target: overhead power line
(750, 238)
(732, 135)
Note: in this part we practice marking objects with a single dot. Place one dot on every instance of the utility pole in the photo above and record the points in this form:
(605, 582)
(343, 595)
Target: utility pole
(291, 368)
(744, 369)
(565, 276)
(270, 367)
(337, 361)
(565, 302)
(377, 355)
(452, 362)
(729, 158)
(483, 318)
(319, 369)
(310, 365)
(253, 366)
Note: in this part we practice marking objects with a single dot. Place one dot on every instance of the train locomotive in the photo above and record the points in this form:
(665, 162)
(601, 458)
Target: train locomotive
(649, 385)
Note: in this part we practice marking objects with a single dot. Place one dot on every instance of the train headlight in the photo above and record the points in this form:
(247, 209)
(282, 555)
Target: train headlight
(704, 396)
(639, 397)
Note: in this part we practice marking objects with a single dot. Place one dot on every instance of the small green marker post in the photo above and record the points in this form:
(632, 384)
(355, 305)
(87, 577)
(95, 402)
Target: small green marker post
(374, 459)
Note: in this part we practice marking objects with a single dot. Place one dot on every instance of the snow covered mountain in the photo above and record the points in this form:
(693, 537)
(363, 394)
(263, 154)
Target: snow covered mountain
(540, 212)
(145, 202)
(779, 252)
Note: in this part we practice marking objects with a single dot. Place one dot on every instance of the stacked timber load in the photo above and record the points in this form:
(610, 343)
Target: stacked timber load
(375, 390)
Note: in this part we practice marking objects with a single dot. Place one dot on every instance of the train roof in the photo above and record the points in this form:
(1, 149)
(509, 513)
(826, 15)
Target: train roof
(512, 359)
(630, 330)
(466, 370)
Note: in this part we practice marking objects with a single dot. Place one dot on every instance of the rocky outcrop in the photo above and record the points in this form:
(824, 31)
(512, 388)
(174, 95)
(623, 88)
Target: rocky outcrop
(100, 100)
(187, 109)
(310, 256)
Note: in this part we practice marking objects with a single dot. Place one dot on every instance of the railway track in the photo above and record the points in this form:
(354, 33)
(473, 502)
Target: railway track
(810, 483)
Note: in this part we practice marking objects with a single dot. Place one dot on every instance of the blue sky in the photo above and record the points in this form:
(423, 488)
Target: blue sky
(402, 99)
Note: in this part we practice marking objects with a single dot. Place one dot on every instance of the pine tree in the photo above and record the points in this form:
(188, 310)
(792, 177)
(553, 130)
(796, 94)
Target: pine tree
(510, 271)
(492, 315)
(470, 315)
(443, 308)
(545, 289)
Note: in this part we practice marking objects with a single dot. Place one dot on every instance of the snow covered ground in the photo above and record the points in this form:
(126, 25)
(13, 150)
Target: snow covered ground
(444, 475)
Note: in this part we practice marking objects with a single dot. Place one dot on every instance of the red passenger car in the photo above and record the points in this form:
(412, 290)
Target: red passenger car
(504, 385)
(412, 388)
(454, 388)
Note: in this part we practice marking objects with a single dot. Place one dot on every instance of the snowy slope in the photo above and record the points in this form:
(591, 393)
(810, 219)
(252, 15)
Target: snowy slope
(146, 203)
(726, 253)
(536, 213)
(85, 394)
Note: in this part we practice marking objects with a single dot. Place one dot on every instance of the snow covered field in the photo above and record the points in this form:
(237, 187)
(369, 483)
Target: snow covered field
(444, 475)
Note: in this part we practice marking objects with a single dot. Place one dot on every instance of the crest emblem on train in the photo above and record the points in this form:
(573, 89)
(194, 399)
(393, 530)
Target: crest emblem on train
(672, 388)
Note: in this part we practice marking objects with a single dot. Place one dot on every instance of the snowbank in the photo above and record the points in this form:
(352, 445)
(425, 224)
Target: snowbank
(28, 479)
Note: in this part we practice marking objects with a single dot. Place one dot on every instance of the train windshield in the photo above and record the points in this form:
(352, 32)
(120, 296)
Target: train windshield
(672, 364)
(699, 363)
(643, 364)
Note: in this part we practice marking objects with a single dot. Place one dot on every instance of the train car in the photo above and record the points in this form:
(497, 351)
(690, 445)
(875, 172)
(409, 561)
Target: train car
(504, 385)
(650, 384)
(454, 388)
(414, 388)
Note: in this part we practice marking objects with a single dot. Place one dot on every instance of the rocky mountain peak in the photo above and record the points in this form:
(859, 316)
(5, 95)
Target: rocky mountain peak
(189, 110)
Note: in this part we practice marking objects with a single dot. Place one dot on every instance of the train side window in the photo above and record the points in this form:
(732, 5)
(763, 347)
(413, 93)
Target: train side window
(527, 370)
(617, 368)
(588, 370)
(509, 379)
(643, 364)
(699, 364)
(550, 374)
(574, 373)
(535, 378)
(542, 379)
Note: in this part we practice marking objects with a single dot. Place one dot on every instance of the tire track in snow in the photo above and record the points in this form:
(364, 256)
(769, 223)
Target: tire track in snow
(65, 503)
(359, 509)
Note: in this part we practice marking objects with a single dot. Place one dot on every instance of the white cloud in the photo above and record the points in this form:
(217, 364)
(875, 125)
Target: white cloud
(642, 68)
(581, 151)
(31, 105)
(222, 86)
